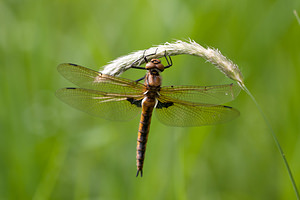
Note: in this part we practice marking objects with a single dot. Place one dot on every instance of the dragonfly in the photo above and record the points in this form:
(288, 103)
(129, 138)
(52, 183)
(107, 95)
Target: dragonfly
(121, 99)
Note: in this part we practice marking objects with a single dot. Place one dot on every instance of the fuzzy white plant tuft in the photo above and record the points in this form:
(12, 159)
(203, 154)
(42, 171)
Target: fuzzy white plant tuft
(214, 56)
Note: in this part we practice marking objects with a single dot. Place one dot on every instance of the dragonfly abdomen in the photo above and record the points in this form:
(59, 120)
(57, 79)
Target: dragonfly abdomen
(148, 105)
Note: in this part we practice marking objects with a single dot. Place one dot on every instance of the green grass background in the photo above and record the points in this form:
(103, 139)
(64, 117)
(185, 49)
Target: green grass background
(49, 150)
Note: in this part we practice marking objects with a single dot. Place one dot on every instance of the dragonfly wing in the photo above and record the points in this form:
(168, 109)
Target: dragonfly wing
(183, 113)
(94, 80)
(101, 104)
(218, 94)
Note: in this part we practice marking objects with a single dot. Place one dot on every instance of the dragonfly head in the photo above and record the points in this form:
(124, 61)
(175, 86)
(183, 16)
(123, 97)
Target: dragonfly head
(155, 65)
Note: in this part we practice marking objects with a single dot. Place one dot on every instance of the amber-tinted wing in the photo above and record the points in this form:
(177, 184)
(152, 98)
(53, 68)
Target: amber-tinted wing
(195, 105)
(90, 79)
(217, 94)
(183, 114)
(105, 105)
(101, 95)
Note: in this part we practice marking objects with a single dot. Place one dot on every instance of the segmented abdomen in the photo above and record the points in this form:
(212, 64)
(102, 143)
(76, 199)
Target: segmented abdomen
(148, 105)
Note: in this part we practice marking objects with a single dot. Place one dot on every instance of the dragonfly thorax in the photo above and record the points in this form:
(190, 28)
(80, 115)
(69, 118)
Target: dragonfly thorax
(153, 80)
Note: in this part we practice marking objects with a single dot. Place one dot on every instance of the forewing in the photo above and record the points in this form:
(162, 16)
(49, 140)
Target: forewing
(172, 112)
(105, 105)
(218, 94)
(90, 79)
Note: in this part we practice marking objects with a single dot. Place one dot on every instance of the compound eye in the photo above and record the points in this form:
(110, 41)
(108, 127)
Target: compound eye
(160, 67)
(150, 65)
(155, 61)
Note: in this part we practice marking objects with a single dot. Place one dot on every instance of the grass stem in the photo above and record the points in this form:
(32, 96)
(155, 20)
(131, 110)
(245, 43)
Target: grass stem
(297, 16)
(275, 139)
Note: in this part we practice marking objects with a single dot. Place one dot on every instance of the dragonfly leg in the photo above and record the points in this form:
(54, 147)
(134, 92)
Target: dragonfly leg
(169, 63)
(138, 60)
(144, 57)
(152, 54)
(140, 79)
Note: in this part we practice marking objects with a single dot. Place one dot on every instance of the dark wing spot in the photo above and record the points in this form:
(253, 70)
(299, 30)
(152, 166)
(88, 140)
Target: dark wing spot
(227, 107)
(138, 103)
(161, 105)
(73, 64)
(71, 88)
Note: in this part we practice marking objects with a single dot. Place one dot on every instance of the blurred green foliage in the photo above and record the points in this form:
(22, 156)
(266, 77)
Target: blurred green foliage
(49, 150)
